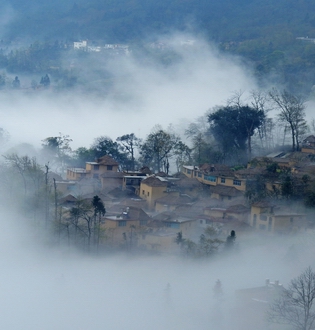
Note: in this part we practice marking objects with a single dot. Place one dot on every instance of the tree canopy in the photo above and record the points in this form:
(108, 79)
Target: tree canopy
(233, 127)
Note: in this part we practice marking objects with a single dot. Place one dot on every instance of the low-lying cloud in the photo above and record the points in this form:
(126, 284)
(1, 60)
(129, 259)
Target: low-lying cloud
(144, 94)
(49, 287)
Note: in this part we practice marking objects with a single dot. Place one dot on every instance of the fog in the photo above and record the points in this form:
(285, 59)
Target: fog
(144, 93)
(49, 287)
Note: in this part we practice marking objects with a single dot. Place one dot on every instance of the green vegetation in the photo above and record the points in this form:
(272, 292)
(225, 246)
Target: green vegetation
(263, 33)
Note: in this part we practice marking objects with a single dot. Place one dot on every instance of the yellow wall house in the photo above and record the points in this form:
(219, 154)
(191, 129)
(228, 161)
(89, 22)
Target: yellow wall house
(152, 188)
(215, 175)
(160, 242)
(308, 145)
(174, 223)
(123, 225)
(276, 219)
(238, 211)
(93, 169)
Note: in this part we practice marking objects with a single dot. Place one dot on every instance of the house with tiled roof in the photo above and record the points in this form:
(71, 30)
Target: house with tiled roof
(174, 222)
(253, 304)
(308, 145)
(239, 212)
(267, 217)
(124, 223)
(214, 175)
(186, 185)
(93, 169)
(225, 193)
(172, 202)
(111, 180)
(152, 188)
(67, 201)
(161, 242)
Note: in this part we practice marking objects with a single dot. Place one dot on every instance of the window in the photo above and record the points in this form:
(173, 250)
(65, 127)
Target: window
(143, 222)
(254, 220)
(148, 194)
(109, 167)
(199, 175)
(222, 180)
(210, 178)
(263, 217)
(142, 192)
(237, 182)
(188, 171)
(96, 167)
(122, 223)
(172, 225)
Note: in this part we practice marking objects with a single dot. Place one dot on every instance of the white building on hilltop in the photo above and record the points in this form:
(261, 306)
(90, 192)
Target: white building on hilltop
(80, 44)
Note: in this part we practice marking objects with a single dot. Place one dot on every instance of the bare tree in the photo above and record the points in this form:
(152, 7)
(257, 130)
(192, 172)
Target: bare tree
(292, 112)
(158, 148)
(295, 306)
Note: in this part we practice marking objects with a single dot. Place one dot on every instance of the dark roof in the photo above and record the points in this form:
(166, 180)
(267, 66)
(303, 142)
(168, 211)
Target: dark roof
(175, 200)
(145, 170)
(153, 181)
(310, 138)
(102, 196)
(119, 193)
(239, 208)
(107, 160)
(216, 170)
(67, 199)
(194, 210)
(128, 212)
(263, 204)
(225, 191)
(166, 216)
(169, 216)
(134, 201)
(249, 172)
(185, 182)
(161, 174)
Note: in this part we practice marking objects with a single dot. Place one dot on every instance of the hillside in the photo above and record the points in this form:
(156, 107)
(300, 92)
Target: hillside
(263, 32)
(124, 20)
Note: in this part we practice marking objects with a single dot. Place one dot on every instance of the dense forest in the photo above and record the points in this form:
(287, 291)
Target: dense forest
(263, 33)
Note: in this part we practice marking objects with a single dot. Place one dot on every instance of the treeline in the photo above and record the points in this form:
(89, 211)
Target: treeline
(232, 134)
(123, 21)
(264, 33)
(44, 64)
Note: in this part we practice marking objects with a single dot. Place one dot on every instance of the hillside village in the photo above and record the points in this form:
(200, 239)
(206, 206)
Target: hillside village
(155, 212)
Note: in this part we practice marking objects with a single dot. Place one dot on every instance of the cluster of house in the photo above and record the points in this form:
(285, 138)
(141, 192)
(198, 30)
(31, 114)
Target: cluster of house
(148, 210)
(117, 49)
